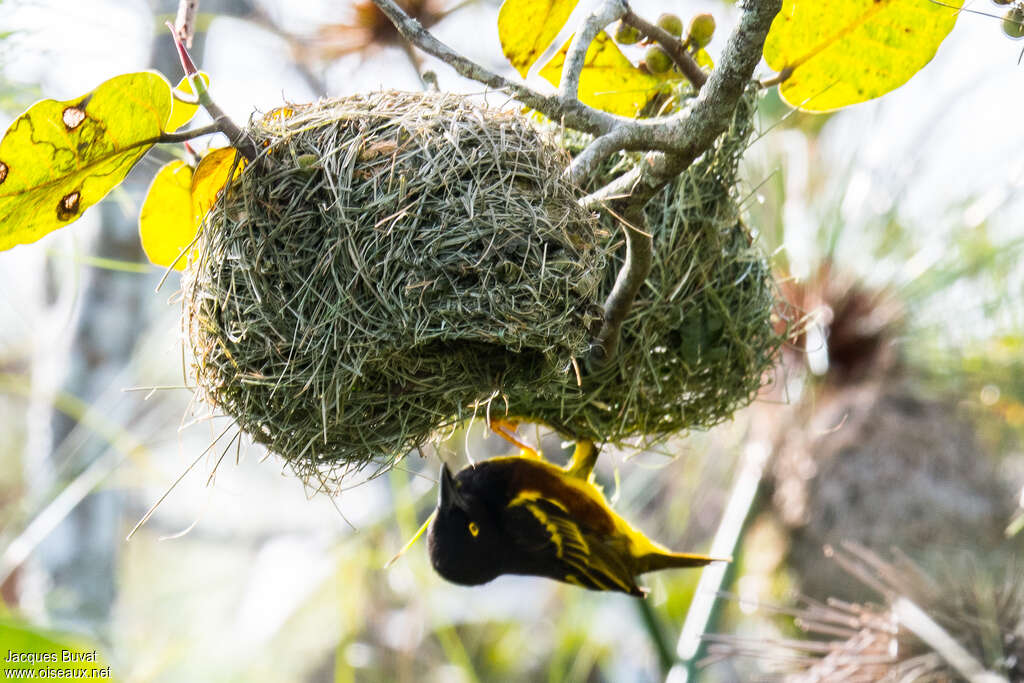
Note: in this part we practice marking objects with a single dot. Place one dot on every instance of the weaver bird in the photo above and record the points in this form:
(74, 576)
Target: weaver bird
(523, 515)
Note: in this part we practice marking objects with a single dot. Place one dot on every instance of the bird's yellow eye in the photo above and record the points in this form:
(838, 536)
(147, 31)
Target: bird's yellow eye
(474, 529)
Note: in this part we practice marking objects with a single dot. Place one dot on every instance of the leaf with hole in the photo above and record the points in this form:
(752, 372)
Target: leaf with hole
(59, 158)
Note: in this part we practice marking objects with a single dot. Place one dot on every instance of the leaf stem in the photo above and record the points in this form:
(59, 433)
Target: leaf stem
(239, 140)
(186, 135)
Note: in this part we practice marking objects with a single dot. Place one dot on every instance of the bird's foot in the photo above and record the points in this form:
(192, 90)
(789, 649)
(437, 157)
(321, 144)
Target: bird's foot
(506, 429)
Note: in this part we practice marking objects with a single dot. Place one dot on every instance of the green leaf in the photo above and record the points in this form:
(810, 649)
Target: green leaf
(608, 81)
(840, 52)
(181, 111)
(59, 158)
(47, 652)
(166, 224)
(527, 27)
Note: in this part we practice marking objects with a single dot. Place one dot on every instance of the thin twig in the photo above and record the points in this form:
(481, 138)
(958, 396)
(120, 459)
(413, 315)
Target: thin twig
(571, 112)
(639, 252)
(238, 138)
(185, 22)
(672, 45)
(576, 56)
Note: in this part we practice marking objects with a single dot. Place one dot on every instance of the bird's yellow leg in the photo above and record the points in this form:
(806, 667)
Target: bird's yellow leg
(584, 457)
(506, 429)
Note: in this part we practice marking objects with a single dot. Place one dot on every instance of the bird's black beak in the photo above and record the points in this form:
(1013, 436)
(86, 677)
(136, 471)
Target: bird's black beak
(448, 496)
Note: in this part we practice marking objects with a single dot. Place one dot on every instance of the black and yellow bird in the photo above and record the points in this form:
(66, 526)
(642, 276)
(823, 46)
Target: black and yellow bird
(523, 515)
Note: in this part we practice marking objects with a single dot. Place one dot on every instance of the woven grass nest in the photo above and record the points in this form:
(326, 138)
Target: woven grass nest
(399, 262)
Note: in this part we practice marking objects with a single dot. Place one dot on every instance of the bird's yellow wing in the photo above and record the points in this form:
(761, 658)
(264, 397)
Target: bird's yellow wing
(566, 549)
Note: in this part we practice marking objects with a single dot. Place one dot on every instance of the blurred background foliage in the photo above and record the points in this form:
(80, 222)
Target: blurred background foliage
(894, 420)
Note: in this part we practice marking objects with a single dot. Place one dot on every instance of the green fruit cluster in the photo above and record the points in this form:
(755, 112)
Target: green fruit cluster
(626, 35)
(1013, 23)
(702, 27)
(671, 23)
(657, 60)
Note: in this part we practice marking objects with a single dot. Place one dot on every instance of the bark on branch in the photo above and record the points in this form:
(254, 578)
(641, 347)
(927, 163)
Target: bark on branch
(639, 252)
(609, 11)
(672, 142)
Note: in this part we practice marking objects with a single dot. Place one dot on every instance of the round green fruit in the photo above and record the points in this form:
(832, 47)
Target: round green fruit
(702, 27)
(658, 61)
(1013, 23)
(671, 23)
(626, 35)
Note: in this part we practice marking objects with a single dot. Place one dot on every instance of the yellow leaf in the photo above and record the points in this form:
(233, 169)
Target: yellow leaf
(609, 81)
(841, 52)
(59, 158)
(166, 224)
(210, 178)
(527, 27)
(704, 60)
(181, 111)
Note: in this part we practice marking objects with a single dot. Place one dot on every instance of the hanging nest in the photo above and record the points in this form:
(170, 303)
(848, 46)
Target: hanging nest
(699, 339)
(396, 260)
(396, 263)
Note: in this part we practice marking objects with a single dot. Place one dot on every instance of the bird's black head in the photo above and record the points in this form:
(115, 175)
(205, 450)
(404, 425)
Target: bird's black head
(464, 541)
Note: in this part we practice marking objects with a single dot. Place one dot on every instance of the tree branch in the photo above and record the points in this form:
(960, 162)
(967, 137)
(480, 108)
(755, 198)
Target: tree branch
(576, 56)
(571, 112)
(586, 162)
(704, 121)
(639, 252)
(672, 142)
(185, 21)
(696, 128)
(238, 137)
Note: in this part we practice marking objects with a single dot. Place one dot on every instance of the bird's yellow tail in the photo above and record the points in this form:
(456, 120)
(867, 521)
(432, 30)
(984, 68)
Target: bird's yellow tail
(654, 561)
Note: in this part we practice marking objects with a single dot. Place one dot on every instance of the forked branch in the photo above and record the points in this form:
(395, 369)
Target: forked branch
(672, 142)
